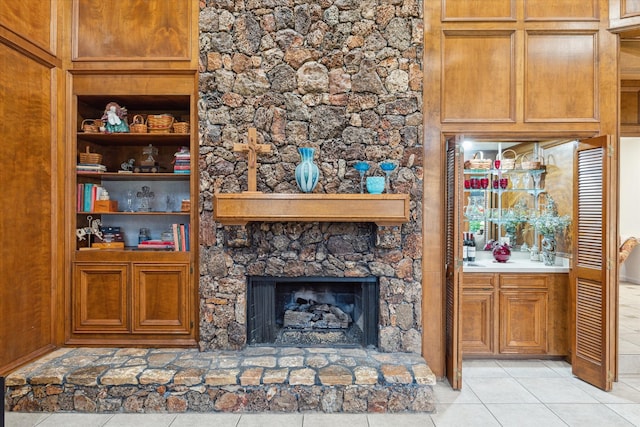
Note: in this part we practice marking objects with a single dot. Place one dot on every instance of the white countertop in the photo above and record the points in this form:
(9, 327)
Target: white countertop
(518, 263)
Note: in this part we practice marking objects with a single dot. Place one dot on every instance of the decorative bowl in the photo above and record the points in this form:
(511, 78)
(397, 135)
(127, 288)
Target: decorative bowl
(375, 184)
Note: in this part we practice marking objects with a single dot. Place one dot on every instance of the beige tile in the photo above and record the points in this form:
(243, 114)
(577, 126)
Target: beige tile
(76, 420)
(527, 415)
(325, 420)
(482, 369)
(397, 420)
(500, 390)
(443, 393)
(556, 390)
(140, 420)
(584, 415)
(527, 369)
(630, 412)
(270, 420)
(198, 420)
(472, 414)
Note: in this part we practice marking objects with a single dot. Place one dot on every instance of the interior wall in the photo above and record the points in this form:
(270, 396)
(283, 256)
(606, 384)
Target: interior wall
(630, 205)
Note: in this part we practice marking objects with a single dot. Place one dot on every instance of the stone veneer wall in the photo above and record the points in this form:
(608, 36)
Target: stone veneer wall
(343, 76)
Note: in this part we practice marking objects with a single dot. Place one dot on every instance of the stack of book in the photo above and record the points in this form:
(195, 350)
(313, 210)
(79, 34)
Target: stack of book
(156, 244)
(182, 163)
(91, 168)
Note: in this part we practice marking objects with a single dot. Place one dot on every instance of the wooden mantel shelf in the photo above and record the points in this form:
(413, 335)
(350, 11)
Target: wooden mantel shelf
(241, 208)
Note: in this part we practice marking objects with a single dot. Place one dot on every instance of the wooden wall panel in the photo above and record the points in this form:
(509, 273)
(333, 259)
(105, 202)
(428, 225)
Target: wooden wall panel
(629, 108)
(561, 10)
(629, 8)
(27, 258)
(479, 76)
(562, 64)
(132, 30)
(26, 18)
(478, 9)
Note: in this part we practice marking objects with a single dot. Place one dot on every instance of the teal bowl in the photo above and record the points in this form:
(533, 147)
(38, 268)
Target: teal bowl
(375, 184)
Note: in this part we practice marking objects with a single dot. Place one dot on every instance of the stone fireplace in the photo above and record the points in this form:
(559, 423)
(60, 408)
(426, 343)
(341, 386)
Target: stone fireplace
(313, 311)
(345, 78)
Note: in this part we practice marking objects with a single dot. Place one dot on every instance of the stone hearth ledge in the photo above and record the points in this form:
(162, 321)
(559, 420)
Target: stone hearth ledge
(256, 379)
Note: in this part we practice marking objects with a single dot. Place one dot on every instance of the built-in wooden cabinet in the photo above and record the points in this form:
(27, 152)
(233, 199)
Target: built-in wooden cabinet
(122, 297)
(507, 314)
(124, 294)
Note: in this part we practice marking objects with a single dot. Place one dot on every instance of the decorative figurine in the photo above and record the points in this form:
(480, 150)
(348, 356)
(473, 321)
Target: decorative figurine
(145, 197)
(115, 118)
(128, 165)
(93, 228)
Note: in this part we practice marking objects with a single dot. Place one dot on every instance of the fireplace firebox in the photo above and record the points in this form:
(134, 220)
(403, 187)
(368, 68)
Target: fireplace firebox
(313, 311)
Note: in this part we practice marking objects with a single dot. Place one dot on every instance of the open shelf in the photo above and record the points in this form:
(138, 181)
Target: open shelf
(241, 208)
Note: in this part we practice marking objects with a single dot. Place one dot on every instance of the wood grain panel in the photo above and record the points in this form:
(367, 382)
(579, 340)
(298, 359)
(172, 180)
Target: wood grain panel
(33, 20)
(132, 30)
(160, 298)
(575, 10)
(523, 322)
(27, 218)
(478, 322)
(100, 298)
(629, 108)
(479, 76)
(563, 65)
(478, 9)
(629, 8)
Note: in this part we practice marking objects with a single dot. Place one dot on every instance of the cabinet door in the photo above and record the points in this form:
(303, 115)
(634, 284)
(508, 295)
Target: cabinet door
(161, 298)
(523, 322)
(478, 322)
(100, 298)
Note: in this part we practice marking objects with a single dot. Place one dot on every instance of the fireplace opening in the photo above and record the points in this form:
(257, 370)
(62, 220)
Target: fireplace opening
(312, 311)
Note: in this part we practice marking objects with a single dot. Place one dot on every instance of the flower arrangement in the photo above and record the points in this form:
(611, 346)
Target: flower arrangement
(548, 224)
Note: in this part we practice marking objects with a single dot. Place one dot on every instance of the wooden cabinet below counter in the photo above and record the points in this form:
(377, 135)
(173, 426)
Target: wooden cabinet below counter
(509, 314)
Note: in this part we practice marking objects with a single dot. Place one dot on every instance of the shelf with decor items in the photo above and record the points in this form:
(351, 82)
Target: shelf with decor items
(133, 184)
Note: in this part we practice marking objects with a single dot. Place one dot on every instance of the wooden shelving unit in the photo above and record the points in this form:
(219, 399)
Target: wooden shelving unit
(242, 208)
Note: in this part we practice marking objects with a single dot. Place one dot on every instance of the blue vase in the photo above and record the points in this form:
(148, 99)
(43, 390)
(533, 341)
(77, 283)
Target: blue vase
(307, 172)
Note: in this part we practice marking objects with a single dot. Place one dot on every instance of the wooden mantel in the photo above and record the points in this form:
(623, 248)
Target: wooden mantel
(241, 208)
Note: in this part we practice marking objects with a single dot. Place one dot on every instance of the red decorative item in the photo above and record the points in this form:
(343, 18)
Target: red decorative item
(501, 252)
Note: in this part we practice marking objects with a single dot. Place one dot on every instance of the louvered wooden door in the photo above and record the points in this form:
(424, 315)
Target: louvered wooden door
(595, 269)
(453, 349)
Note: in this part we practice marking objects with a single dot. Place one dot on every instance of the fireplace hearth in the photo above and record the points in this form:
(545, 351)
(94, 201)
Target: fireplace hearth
(313, 311)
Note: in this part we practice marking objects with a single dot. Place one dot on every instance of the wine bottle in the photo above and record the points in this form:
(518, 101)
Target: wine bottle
(465, 247)
(471, 251)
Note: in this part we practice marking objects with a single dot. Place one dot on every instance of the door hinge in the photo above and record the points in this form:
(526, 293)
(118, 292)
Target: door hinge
(191, 269)
(610, 376)
(610, 150)
(191, 324)
(609, 264)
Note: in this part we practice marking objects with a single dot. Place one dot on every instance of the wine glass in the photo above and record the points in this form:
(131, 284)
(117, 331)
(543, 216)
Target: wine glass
(130, 196)
(536, 180)
(387, 167)
(515, 181)
(504, 182)
(362, 168)
(525, 181)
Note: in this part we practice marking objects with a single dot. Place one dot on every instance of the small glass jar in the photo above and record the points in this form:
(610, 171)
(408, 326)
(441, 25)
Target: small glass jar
(144, 235)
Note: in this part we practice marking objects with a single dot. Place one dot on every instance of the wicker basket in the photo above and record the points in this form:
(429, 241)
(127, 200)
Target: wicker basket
(479, 162)
(507, 162)
(88, 157)
(138, 125)
(91, 125)
(159, 123)
(527, 164)
(181, 127)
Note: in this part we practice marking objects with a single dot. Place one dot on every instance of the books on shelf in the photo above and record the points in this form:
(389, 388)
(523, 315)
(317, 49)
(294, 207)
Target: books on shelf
(181, 237)
(182, 161)
(87, 194)
(156, 244)
(90, 168)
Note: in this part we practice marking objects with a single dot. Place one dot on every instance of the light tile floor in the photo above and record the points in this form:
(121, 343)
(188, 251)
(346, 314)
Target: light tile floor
(516, 393)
